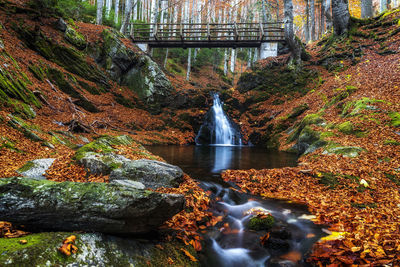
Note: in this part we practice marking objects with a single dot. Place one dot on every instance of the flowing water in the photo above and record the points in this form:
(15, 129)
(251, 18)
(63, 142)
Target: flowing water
(218, 128)
(236, 245)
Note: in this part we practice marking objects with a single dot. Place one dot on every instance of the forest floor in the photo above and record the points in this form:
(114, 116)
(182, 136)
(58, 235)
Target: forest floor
(356, 197)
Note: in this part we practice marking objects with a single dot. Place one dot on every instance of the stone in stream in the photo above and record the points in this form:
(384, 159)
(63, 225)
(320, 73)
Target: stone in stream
(36, 168)
(100, 207)
(151, 173)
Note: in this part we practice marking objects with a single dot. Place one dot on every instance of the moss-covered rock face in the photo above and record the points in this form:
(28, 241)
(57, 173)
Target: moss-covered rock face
(395, 119)
(274, 80)
(75, 38)
(93, 250)
(13, 84)
(261, 223)
(36, 168)
(133, 69)
(101, 207)
(68, 58)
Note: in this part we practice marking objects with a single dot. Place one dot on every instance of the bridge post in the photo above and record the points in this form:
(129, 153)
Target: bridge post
(268, 50)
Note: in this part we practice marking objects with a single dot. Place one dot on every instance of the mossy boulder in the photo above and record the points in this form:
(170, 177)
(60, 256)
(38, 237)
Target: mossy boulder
(153, 174)
(36, 168)
(69, 206)
(23, 110)
(346, 151)
(94, 249)
(261, 223)
(103, 145)
(75, 38)
(101, 163)
(346, 128)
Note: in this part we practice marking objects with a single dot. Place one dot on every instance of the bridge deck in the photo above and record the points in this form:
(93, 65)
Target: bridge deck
(211, 35)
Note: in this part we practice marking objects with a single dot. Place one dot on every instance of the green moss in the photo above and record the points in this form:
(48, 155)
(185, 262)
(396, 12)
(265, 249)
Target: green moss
(395, 119)
(23, 110)
(37, 71)
(346, 128)
(25, 128)
(91, 89)
(261, 223)
(29, 165)
(297, 111)
(103, 145)
(310, 119)
(391, 142)
(68, 58)
(353, 108)
(75, 38)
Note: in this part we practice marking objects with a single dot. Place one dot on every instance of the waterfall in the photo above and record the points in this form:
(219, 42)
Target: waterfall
(217, 128)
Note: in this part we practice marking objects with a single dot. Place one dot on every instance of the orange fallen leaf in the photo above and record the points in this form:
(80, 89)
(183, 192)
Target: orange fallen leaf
(187, 253)
(294, 256)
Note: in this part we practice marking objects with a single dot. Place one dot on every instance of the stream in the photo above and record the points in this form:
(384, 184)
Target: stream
(293, 234)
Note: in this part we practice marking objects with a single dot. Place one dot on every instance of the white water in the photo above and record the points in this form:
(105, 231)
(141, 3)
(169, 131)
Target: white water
(224, 134)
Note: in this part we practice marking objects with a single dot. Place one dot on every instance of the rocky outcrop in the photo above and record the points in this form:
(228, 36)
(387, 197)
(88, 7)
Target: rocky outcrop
(100, 207)
(36, 168)
(151, 173)
(133, 69)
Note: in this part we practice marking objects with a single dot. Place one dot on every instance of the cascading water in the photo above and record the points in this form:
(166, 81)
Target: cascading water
(217, 129)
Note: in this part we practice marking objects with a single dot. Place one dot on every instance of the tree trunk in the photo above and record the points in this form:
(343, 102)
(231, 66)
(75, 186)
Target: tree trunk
(366, 9)
(328, 14)
(226, 62)
(307, 30)
(289, 32)
(341, 16)
(189, 63)
(322, 21)
(383, 5)
(99, 15)
(312, 14)
(108, 7)
(128, 10)
(116, 13)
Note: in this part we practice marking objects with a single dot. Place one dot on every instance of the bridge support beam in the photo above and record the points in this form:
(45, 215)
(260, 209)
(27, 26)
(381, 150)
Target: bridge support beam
(268, 50)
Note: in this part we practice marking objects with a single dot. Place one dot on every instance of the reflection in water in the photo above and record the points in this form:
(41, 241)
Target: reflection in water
(205, 162)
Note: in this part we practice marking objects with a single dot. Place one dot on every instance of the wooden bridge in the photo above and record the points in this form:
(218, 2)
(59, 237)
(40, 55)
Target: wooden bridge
(211, 35)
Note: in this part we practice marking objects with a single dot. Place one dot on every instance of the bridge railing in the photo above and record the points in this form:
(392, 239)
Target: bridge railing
(207, 32)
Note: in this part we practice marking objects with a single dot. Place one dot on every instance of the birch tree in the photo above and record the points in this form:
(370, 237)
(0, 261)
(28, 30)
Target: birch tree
(127, 16)
(289, 32)
(108, 7)
(116, 12)
(312, 15)
(99, 14)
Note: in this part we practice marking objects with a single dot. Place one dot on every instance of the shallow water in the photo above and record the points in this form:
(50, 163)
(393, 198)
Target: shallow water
(240, 246)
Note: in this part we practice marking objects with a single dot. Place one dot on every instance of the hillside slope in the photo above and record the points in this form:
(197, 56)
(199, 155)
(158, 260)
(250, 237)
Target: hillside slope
(341, 114)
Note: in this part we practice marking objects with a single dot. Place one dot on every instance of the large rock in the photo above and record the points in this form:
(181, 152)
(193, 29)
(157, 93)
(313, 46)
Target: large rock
(133, 69)
(107, 208)
(151, 173)
(97, 163)
(94, 249)
(36, 168)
